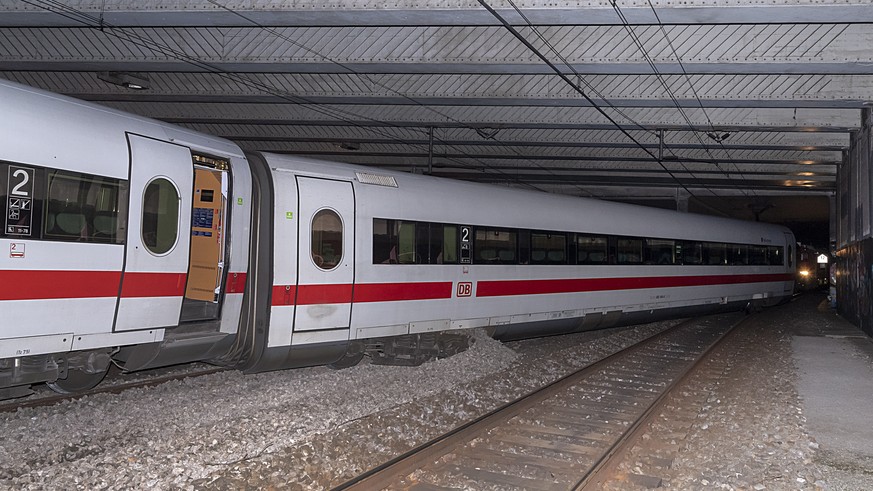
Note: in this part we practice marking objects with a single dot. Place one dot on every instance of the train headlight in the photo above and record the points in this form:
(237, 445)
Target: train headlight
(804, 273)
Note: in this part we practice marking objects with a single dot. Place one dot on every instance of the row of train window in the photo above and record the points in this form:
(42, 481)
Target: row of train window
(50, 204)
(410, 242)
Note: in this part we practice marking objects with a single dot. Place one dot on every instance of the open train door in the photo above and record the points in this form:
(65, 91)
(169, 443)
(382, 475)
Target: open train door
(158, 237)
(326, 257)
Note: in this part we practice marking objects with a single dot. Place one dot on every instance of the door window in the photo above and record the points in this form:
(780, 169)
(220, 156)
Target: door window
(327, 239)
(160, 216)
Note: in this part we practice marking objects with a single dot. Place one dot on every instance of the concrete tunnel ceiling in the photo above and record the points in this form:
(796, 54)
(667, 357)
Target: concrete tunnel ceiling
(743, 108)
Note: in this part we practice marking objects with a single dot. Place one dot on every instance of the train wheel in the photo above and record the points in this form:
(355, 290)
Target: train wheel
(81, 371)
(354, 355)
(77, 381)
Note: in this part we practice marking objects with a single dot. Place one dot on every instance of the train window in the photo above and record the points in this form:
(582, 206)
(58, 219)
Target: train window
(394, 242)
(84, 208)
(405, 251)
(160, 216)
(524, 247)
(738, 254)
(775, 256)
(758, 255)
(407, 242)
(495, 246)
(448, 253)
(51, 204)
(692, 253)
(629, 251)
(327, 239)
(660, 251)
(714, 254)
(548, 248)
(383, 241)
(591, 250)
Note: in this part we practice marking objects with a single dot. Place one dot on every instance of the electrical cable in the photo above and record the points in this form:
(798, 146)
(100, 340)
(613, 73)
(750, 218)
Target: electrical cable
(599, 109)
(142, 41)
(350, 70)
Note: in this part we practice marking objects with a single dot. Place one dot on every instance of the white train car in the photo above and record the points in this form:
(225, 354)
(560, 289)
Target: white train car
(140, 243)
(115, 229)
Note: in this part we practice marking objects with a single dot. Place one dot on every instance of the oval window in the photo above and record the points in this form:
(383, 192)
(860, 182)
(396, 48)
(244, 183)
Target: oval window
(160, 216)
(327, 239)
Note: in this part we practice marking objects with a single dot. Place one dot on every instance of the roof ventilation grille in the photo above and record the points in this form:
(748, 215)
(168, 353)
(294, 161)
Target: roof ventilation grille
(387, 181)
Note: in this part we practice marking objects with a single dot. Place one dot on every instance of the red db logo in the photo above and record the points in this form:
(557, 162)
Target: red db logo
(465, 289)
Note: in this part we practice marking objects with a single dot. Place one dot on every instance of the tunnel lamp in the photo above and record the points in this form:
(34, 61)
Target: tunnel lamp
(133, 81)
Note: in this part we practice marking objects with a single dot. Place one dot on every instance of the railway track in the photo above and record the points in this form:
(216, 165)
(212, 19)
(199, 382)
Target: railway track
(567, 435)
(161, 376)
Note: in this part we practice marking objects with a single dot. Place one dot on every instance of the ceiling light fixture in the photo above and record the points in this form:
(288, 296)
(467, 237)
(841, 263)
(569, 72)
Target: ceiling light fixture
(128, 80)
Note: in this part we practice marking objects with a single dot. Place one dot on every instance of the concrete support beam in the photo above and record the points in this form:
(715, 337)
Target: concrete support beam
(466, 116)
(433, 12)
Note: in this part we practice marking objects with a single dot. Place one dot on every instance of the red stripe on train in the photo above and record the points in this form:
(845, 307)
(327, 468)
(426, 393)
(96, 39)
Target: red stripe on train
(283, 295)
(541, 287)
(363, 292)
(311, 294)
(45, 285)
(391, 292)
(54, 284)
(141, 285)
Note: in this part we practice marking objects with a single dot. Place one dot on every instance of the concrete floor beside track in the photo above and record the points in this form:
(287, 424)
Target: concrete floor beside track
(834, 360)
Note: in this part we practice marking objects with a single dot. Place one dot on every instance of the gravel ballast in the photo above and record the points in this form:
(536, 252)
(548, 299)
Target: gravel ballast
(314, 428)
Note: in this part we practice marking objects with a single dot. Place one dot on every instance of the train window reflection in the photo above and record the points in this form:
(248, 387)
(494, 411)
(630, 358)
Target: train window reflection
(738, 255)
(495, 246)
(692, 253)
(591, 250)
(83, 208)
(449, 253)
(548, 248)
(629, 251)
(758, 255)
(714, 254)
(327, 239)
(160, 216)
(775, 256)
(660, 251)
(409, 242)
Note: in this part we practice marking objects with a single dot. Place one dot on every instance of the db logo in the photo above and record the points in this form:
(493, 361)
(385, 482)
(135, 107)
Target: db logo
(465, 289)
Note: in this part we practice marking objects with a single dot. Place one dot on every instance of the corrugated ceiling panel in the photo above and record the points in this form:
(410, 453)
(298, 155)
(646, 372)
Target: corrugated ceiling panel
(578, 44)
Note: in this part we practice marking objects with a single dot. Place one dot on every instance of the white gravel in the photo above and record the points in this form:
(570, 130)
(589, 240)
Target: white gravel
(169, 435)
(314, 428)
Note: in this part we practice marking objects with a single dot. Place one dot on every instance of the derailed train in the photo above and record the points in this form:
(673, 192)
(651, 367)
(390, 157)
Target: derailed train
(143, 244)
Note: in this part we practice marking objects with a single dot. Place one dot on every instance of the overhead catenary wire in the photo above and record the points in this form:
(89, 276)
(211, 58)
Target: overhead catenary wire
(650, 61)
(581, 92)
(660, 78)
(660, 134)
(712, 128)
(99, 23)
(479, 131)
(340, 114)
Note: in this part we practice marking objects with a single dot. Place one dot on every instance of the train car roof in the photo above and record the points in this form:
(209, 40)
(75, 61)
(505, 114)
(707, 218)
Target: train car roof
(44, 128)
(446, 200)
